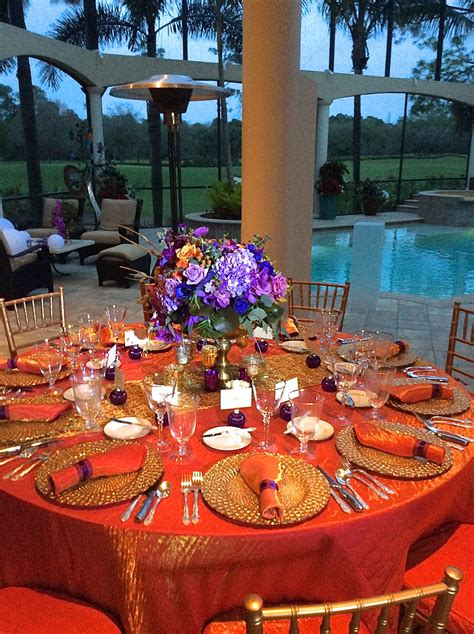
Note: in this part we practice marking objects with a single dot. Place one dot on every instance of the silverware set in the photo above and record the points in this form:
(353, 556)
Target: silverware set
(191, 484)
(32, 460)
(149, 505)
(456, 441)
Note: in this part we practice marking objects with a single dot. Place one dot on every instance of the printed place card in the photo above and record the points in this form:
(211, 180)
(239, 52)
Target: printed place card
(236, 398)
(287, 386)
(111, 356)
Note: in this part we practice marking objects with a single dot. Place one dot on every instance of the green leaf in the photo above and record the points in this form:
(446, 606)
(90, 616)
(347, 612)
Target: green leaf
(266, 300)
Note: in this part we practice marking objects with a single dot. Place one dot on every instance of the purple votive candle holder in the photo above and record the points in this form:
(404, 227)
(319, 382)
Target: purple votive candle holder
(211, 380)
(135, 353)
(243, 376)
(236, 419)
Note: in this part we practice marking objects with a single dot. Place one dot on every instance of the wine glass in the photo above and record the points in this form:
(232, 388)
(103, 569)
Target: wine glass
(345, 374)
(268, 392)
(181, 408)
(70, 342)
(377, 384)
(156, 394)
(306, 408)
(372, 349)
(115, 316)
(87, 390)
(91, 326)
(50, 359)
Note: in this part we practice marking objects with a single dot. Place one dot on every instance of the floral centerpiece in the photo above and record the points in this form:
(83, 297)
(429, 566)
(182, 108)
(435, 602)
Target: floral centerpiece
(64, 217)
(214, 287)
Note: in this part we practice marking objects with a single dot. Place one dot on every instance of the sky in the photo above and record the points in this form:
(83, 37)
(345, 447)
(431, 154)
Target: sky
(314, 56)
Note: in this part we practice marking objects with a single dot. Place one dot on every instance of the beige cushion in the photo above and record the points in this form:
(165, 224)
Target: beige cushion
(41, 232)
(117, 212)
(48, 210)
(102, 237)
(16, 263)
(127, 252)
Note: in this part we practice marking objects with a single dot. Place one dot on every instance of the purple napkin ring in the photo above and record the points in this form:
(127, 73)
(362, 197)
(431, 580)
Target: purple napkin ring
(419, 450)
(3, 412)
(11, 363)
(268, 484)
(84, 469)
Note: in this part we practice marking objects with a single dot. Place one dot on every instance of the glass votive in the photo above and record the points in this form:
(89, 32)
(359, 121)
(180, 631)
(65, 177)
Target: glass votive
(209, 355)
(253, 364)
(211, 380)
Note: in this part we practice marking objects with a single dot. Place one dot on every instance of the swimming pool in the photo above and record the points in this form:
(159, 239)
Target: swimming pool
(418, 259)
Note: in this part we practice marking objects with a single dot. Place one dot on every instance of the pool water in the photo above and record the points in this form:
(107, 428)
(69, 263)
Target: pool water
(418, 259)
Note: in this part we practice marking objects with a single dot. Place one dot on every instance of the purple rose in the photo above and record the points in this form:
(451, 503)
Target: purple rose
(266, 266)
(279, 285)
(241, 305)
(262, 284)
(195, 273)
(183, 291)
(201, 231)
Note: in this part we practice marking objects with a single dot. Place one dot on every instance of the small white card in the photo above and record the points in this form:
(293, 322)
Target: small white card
(131, 339)
(111, 356)
(288, 386)
(263, 333)
(236, 398)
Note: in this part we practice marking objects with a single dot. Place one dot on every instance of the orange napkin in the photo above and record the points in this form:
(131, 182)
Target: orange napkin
(420, 392)
(124, 459)
(24, 411)
(405, 445)
(107, 339)
(290, 327)
(398, 347)
(262, 474)
(24, 363)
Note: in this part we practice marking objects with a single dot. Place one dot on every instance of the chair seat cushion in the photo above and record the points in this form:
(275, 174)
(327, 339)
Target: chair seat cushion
(17, 263)
(29, 611)
(41, 232)
(308, 625)
(102, 237)
(123, 252)
(426, 561)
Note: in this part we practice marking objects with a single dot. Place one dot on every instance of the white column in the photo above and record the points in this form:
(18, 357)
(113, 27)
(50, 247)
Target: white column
(94, 97)
(470, 170)
(322, 141)
(366, 272)
(279, 120)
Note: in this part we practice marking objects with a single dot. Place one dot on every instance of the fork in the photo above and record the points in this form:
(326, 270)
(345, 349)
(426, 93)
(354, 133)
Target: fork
(185, 490)
(26, 453)
(42, 457)
(196, 487)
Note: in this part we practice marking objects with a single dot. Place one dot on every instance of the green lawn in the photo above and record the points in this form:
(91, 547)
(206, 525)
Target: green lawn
(13, 178)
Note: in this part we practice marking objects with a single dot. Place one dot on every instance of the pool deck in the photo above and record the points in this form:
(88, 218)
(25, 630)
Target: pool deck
(348, 221)
(424, 322)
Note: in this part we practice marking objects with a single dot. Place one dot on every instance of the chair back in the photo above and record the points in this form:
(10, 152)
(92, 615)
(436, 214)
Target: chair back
(115, 213)
(460, 356)
(145, 301)
(40, 316)
(305, 299)
(256, 615)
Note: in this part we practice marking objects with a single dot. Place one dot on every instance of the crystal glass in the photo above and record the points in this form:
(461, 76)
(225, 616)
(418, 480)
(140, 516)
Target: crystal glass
(70, 343)
(306, 408)
(184, 351)
(50, 359)
(90, 331)
(87, 389)
(377, 384)
(254, 364)
(181, 408)
(156, 394)
(115, 316)
(345, 374)
(267, 391)
(373, 348)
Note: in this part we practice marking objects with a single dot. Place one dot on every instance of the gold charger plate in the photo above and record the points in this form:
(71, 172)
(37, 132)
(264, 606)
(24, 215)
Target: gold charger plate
(397, 361)
(98, 491)
(304, 492)
(460, 403)
(388, 464)
(15, 378)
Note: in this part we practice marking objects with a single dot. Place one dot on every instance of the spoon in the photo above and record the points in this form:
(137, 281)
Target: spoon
(26, 453)
(343, 478)
(162, 491)
(350, 474)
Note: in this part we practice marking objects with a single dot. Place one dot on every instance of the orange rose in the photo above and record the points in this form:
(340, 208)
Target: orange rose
(187, 252)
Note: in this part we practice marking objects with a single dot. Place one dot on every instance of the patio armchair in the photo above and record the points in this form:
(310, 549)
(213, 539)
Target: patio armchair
(49, 205)
(116, 217)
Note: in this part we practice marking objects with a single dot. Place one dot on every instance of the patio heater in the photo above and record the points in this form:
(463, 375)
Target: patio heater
(172, 94)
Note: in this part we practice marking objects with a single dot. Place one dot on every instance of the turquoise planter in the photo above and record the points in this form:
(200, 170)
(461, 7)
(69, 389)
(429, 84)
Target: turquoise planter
(327, 206)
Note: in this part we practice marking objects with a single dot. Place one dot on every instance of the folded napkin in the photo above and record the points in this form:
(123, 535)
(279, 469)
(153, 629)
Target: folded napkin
(24, 411)
(420, 392)
(398, 347)
(124, 459)
(262, 474)
(405, 445)
(290, 327)
(24, 363)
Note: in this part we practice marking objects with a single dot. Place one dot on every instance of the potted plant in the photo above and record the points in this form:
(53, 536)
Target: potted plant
(373, 197)
(226, 200)
(329, 186)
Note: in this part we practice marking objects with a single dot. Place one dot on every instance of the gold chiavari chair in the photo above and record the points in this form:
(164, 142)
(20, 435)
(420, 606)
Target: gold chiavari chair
(323, 617)
(29, 320)
(145, 301)
(460, 357)
(307, 298)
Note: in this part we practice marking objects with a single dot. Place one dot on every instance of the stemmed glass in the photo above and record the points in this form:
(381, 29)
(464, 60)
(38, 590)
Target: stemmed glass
(156, 394)
(50, 359)
(181, 408)
(87, 390)
(91, 326)
(115, 316)
(268, 392)
(377, 388)
(345, 374)
(70, 343)
(306, 408)
(373, 348)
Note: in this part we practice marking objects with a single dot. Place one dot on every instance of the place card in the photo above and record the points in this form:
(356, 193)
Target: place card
(236, 398)
(288, 386)
(111, 357)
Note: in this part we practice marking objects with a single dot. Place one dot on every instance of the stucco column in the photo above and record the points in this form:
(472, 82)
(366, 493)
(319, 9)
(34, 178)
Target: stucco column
(279, 115)
(322, 141)
(94, 111)
(470, 169)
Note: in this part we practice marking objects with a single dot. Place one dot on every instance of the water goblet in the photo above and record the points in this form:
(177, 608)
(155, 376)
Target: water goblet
(345, 375)
(156, 394)
(268, 392)
(306, 408)
(115, 316)
(181, 408)
(50, 359)
(91, 326)
(377, 384)
(87, 390)
(70, 342)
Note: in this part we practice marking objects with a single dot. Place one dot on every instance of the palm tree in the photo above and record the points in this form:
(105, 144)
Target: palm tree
(13, 13)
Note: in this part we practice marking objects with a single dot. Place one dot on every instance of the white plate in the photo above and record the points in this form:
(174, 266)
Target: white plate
(156, 345)
(98, 366)
(234, 438)
(295, 346)
(69, 394)
(114, 429)
(358, 396)
(325, 430)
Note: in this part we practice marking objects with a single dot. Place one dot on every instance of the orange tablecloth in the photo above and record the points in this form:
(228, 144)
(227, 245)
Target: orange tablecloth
(168, 577)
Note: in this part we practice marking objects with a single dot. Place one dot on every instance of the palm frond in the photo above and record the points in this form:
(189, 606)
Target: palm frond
(50, 75)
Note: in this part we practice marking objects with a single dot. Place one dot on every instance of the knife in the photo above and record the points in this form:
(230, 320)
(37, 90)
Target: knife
(236, 430)
(343, 492)
(150, 496)
(14, 449)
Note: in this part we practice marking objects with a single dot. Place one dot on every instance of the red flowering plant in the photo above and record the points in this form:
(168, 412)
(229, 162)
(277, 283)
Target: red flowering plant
(331, 178)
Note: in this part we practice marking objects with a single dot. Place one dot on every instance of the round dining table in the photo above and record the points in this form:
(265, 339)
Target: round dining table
(168, 577)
